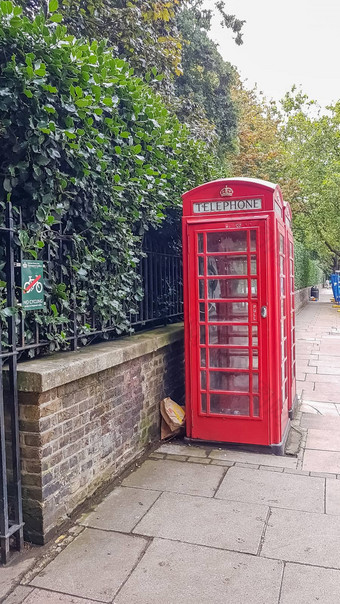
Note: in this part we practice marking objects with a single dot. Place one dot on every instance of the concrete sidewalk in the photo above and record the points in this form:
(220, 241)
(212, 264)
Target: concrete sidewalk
(210, 526)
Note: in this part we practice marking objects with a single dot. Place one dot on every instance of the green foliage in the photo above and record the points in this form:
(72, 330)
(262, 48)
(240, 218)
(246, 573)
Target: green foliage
(204, 88)
(87, 148)
(143, 32)
(167, 42)
(308, 271)
(312, 164)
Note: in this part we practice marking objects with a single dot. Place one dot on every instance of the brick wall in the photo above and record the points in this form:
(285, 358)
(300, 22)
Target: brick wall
(302, 297)
(79, 434)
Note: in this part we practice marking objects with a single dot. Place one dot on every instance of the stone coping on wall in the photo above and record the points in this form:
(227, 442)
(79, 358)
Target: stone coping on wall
(41, 375)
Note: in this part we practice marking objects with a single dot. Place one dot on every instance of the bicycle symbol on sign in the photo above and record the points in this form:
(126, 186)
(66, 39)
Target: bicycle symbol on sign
(33, 284)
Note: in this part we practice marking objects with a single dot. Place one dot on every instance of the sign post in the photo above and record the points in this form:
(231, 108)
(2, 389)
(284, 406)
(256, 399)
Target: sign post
(32, 283)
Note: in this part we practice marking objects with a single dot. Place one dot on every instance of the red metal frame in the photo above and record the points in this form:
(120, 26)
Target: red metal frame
(233, 354)
(291, 305)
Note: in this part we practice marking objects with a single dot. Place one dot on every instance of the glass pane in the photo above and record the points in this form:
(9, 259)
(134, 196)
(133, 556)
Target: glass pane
(229, 334)
(235, 241)
(228, 311)
(255, 382)
(229, 404)
(253, 241)
(253, 265)
(254, 288)
(203, 403)
(222, 380)
(227, 265)
(225, 357)
(255, 359)
(203, 380)
(255, 340)
(227, 288)
(256, 406)
(200, 265)
(202, 334)
(282, 286)
(201, 288)
(203, 357)
(202, 311)
(282, 267)
(281, 244)
(200, 243)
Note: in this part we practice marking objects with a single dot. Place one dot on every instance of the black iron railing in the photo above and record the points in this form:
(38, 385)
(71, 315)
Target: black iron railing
(11, 524)
(25, 335)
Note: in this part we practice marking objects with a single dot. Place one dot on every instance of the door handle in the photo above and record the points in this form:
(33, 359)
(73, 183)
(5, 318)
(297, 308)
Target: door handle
(263, 312)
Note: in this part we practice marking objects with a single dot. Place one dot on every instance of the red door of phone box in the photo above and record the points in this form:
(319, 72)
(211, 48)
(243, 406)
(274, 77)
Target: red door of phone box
(239, 312)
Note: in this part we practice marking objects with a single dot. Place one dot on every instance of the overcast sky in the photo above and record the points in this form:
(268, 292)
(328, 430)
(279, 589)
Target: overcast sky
(286, 42)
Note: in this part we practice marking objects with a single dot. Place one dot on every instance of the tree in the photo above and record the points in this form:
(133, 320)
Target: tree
(204, 88)
(167, 37)
(143, 32)
(259, 148)
(312, 157)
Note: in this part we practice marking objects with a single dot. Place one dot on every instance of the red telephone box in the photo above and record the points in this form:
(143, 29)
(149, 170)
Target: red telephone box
(237, 303)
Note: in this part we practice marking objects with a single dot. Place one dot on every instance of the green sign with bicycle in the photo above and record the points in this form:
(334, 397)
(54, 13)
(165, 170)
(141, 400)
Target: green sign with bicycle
(32, 284)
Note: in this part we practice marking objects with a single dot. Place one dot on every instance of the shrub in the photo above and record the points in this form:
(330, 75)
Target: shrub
(307, 270)
(90, 151)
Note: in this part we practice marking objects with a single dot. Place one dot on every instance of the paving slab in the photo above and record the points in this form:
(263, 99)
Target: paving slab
(308, 584)
(304, 537)
(204, 521)
(176, 477)
(10, 574)
(319, 407)
(324, 359)
(312, 420)
(330, 347)
(41, 596)
(322, 395)
(325, 369)
(334, 380)
(93, 566)
(182, 450)
(333, 497)
(18, 595)
(321, 461)
(325, 440)
(254, 458)
(273, 489)
(191, 574)
(121, 510)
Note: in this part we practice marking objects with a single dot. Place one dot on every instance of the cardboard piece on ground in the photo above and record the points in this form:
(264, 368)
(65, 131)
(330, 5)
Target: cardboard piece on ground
(173, 418)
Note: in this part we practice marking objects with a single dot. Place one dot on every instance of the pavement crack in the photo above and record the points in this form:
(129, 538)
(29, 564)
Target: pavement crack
(259, 550)
(140, 557)
(281, 584)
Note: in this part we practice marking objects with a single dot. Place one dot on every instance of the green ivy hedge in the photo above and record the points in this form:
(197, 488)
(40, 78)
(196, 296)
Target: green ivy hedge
(307, 270)
(89, 149)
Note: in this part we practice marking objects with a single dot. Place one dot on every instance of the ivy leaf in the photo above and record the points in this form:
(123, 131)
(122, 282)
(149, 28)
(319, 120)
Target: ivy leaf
(7, 185)
(56, 18)
(54, 310)
(53, 6)
(9, 311)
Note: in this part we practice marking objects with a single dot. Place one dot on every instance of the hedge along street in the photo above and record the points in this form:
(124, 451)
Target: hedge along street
(91, 152)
